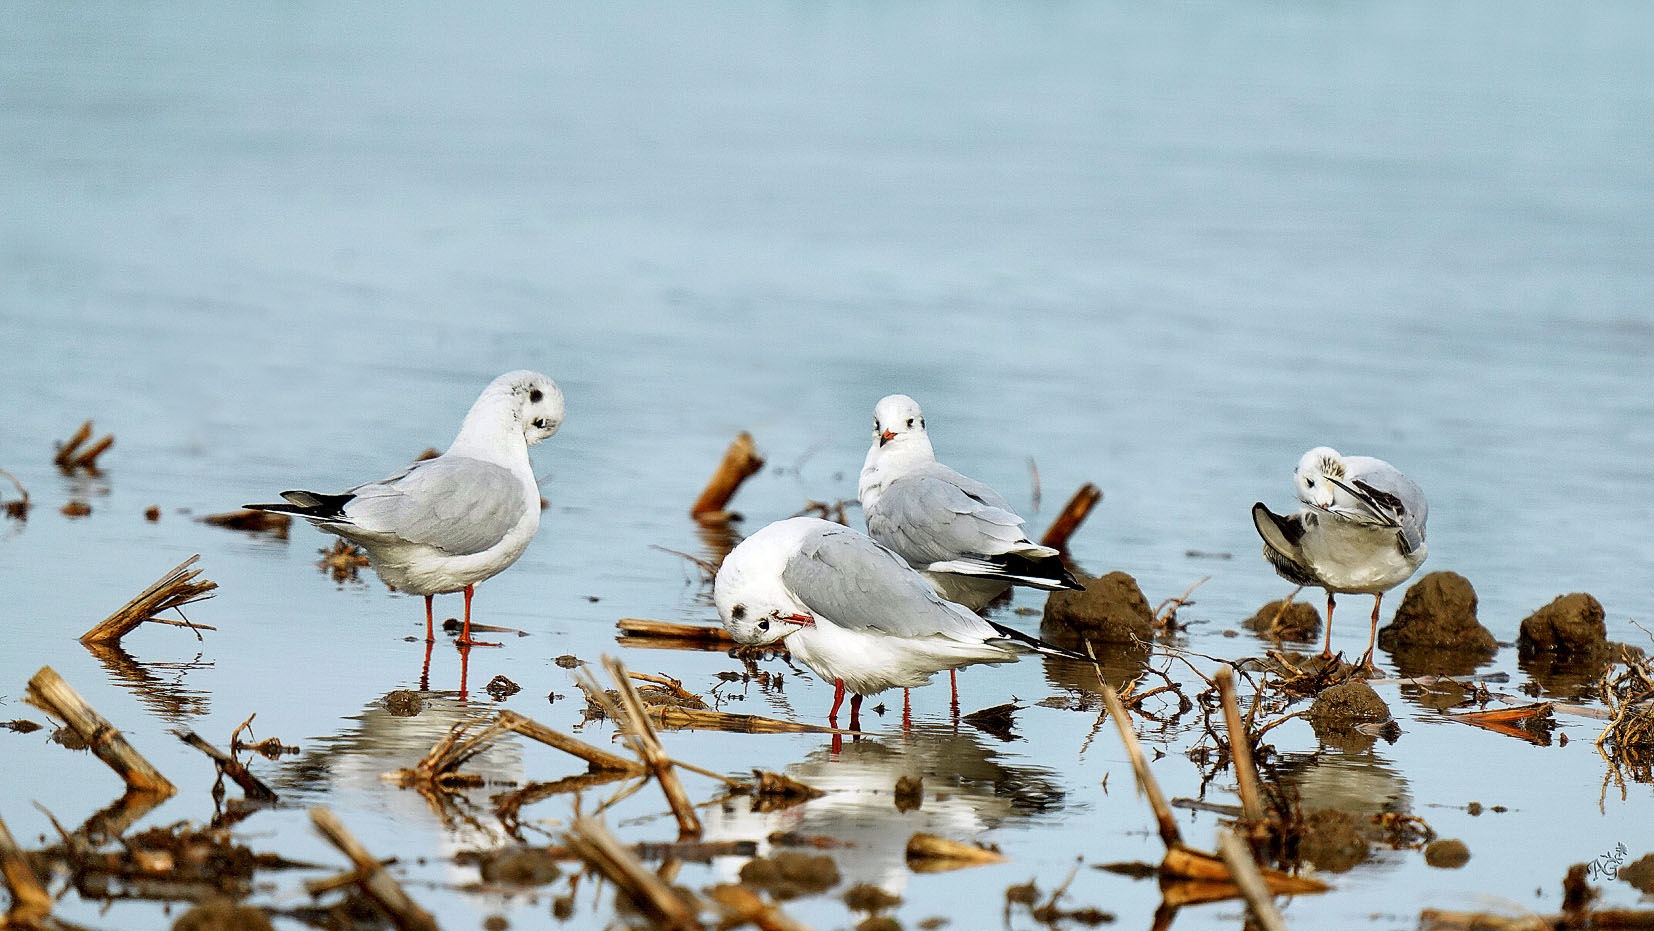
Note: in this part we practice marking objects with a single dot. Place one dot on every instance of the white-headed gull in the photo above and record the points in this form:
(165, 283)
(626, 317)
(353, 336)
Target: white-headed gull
(1360, 530)
(853, 611)
(444, 524)
(957, 532)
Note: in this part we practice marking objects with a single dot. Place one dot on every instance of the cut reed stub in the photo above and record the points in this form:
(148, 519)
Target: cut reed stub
(1072, 515)
(172, 591)
(930, 853)
(70, 456)
(740, 462)
(50, 693)
(370, 875)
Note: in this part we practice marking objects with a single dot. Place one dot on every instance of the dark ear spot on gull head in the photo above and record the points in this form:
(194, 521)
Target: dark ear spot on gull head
(535, 396)
(738, 612)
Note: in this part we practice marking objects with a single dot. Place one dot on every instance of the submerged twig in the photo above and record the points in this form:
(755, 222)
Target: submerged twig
(19, 508)
(377, 884)
(663, 905)
(1243, 870)
(643, 738)
(229, 766)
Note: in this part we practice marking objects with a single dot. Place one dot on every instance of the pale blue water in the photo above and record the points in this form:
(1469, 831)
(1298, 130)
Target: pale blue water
(1165, 249)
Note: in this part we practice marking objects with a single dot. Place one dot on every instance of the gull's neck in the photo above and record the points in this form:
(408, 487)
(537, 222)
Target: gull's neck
(493, 433)
(891, 461)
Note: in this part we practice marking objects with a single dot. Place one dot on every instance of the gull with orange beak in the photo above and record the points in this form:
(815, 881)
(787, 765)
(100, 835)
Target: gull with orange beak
(853, 611)
(958, 533)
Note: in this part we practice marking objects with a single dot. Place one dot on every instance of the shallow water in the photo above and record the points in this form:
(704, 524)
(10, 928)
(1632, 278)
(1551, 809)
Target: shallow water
(1165, 250)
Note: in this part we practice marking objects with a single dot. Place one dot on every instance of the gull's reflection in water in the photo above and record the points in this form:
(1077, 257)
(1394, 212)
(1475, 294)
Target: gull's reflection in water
(384, 738)
(969, 788)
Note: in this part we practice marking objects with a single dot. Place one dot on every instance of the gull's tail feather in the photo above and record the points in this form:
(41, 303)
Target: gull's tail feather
(1045, 572)
(1036, 644)
(1281, 537)
(308, 504)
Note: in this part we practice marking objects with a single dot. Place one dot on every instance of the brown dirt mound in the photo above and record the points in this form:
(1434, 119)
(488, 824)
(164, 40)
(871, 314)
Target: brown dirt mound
(1283, 620)
(1111, 609)
(1438, 612)
(1332, 840)
(1446, 854)
(1346, 704)
(1571, 625)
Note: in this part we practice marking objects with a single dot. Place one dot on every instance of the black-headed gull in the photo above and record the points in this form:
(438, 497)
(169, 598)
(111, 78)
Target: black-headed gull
(1360, 530)
(444, 524)
(853, 611)
(957, 532)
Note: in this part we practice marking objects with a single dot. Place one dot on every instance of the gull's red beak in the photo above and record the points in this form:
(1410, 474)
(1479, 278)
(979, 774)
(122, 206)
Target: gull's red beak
(886, 437)
(802, 620)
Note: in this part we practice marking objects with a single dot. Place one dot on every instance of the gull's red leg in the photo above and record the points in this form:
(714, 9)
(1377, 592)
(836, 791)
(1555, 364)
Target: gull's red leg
(855, 712)
(1326, 651)
(1372, 637)
(430, 630)
(465, 634)
(838, 699)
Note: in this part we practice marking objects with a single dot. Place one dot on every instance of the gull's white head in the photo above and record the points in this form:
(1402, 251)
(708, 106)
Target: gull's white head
(539, 404)
(897, 419)
(521, 403)
(752, 601)
(1311, 475)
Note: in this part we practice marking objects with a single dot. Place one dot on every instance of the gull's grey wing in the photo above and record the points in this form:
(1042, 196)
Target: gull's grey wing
(1282, 544)
(458, 505)
(931, 517)
(1387, 496)
(846, 578)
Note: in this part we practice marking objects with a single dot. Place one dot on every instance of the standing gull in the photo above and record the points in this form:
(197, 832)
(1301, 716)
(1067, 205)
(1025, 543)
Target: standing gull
(1360, 530)
(853, 611)
(957, 532)
(444, 524)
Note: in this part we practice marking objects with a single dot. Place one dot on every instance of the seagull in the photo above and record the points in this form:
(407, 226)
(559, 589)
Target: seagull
(1360, 530)
(444, 524)
(957, 532)
(853, 611)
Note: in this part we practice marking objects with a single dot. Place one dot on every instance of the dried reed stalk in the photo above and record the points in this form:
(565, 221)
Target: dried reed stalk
(48, 692)
(597, 761)
(375, 883)
(66, 450)
(30, 901)
(1072, 515)
(663, 905)
(177, 588)
(929, 853)
(1243, 870)
(676, 717)
(440, 767)
(1240, 748)
(740, 461)
(647, 743)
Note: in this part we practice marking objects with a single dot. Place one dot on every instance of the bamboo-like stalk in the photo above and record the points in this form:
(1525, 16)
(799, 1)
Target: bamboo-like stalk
(740, 461)
(648, 745)
(377, 884)
(89, 459)
(665, 906)
(1072, 515)
(1243, 870)
(597, 761)
(30, 901)
(1240, 747)
(229, 766)
(48, 692)
(1169, 834)
(66, 452)
(177, 588)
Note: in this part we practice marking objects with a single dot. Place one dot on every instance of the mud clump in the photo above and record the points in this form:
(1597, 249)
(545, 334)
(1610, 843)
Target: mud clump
(1348, 704)
(1111, 609)
(223, 916)
(519, 866)
(1640, 873)
(1447, 854)
(1571, 625)
(402, 703)
(879, 923)
(910, 793)
(1435, 630)
(1286, 620)
(866, 897)
(790, 874)
(1332, 840)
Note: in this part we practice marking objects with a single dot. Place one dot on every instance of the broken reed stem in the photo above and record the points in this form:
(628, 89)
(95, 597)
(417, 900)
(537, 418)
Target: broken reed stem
(48, 692)
(665, 906)
(66, 451)
(377, 884)
(1240, 748)
(173, 590)
(229, 766)
(740, 461)
(596, 760)
(29, 900)
(1243, 872)
(1169, 835)
(1072, 515)
(89, 459)
(648, 746)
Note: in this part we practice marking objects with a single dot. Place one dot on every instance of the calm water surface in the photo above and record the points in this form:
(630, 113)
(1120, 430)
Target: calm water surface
(1163, 249)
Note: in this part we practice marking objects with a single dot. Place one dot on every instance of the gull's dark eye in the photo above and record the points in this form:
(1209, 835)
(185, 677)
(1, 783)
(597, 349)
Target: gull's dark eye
(738, 612)
(764, 624)
(1310, 482)
(542, 423)
(910, 423)
(535, 396)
